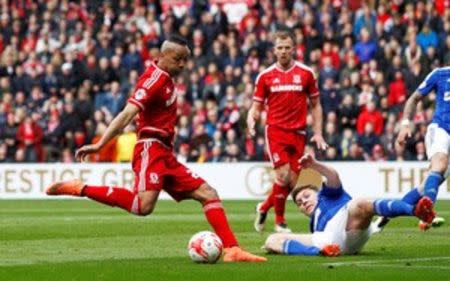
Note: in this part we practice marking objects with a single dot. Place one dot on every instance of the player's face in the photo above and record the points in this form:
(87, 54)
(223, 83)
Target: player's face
(284, 50)
(306, 201)
(176, 59)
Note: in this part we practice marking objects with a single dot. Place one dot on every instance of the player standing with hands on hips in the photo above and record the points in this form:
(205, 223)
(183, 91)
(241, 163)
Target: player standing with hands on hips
(285, 88)
(154, 164)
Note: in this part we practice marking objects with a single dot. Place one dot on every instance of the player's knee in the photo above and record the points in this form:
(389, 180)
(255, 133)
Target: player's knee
(146, 209)
(439, 163)
(364, 208)
(205, 193)
(274, 243)
(282, 178)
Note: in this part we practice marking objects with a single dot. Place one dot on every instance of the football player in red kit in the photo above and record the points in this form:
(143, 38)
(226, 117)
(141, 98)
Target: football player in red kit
(154, 163)
(284, 89)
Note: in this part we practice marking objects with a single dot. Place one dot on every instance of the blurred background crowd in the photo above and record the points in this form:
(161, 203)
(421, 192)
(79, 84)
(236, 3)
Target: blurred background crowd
(68, 67)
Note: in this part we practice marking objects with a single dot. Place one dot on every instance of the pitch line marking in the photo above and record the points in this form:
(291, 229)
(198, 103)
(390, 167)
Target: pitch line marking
(375, 262)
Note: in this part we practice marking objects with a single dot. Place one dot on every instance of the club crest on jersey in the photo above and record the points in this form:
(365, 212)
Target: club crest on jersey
(154, 179)
(276, 157)
(276, 81)
(297, 79)
(140, 94)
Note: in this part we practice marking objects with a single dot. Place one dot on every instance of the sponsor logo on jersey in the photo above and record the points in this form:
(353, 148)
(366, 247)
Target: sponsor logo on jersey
(447, 96)
(286, 88)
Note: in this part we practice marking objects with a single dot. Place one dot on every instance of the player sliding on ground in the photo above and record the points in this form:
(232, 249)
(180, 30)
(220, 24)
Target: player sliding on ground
(154, 164)
(339, 224)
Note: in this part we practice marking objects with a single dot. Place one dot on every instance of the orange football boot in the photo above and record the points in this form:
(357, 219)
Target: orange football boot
(236, 254)
(73, 187)
(332, 250)
(424, 210)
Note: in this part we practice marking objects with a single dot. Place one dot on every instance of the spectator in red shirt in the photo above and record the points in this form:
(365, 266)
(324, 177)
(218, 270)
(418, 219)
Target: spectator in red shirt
(397, 90)
(370, 114)
(29, 136)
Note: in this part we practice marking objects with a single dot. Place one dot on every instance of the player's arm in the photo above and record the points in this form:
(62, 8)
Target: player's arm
(424, 88)
(253, 115)
(115, 127)
(332, 176)
(316, 112)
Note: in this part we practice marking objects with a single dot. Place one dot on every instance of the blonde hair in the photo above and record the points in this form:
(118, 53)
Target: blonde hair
(297, 190)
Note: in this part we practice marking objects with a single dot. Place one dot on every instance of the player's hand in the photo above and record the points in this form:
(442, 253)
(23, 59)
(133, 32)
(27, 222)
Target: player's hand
(307, 160)
(405, 133)
(251, 122)
(320, 142)
(85, 150)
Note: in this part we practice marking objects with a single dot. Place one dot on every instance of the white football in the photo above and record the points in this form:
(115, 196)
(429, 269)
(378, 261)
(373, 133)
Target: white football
(205, 247)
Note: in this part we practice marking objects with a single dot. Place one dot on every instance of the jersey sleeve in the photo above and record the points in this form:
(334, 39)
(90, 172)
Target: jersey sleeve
(313, 89)
(429, 83)
(260, 93)
(331, 192)
(147, 89)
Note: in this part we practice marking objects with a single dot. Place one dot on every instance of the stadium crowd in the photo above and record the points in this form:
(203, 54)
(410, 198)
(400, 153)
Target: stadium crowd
(68, 67)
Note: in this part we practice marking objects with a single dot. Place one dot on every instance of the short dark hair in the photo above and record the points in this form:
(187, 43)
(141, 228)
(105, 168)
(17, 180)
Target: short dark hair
(284, 33)
(178, 39)
(297, 190)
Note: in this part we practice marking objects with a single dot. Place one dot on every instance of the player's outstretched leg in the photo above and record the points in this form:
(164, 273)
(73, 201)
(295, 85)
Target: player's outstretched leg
(215, 214)
(112, 196)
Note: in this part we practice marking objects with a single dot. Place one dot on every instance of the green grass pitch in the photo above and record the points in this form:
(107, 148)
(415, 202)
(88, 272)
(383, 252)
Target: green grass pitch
(82, 240)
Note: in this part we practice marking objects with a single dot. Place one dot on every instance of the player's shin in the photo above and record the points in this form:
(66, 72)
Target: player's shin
(392, 208)
(114, 196)
(215, 214)
(280, 195)
(431, 185)
(412, 196)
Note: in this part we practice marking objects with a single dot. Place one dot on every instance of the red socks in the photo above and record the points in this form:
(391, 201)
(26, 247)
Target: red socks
(216, 217)
(279, 200)
(268, 203)
(114, 196)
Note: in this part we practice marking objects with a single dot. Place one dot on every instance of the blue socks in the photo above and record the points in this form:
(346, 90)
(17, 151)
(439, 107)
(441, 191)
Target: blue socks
(293, 247)
(412, 197)
(431, 186)
(392, 208)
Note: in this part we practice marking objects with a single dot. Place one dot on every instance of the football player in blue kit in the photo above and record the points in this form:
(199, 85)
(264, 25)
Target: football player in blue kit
(336, 219)
(437, 138)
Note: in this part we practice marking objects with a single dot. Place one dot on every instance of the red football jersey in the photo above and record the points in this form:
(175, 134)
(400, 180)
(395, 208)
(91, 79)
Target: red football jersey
(285, 94)
(155, 96)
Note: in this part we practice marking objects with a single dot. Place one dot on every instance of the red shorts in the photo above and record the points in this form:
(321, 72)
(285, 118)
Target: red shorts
(155, 168)
(285, 146)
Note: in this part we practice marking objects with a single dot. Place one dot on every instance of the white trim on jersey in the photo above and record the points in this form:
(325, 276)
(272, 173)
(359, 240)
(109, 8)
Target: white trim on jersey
(150, 140)
(152, 79)
(288, 70)
(158, 68)
(268, 146)
(153, 129)
(305, 67)
(258, 99)
(137, 103)
(270, 68)
(144, 165)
